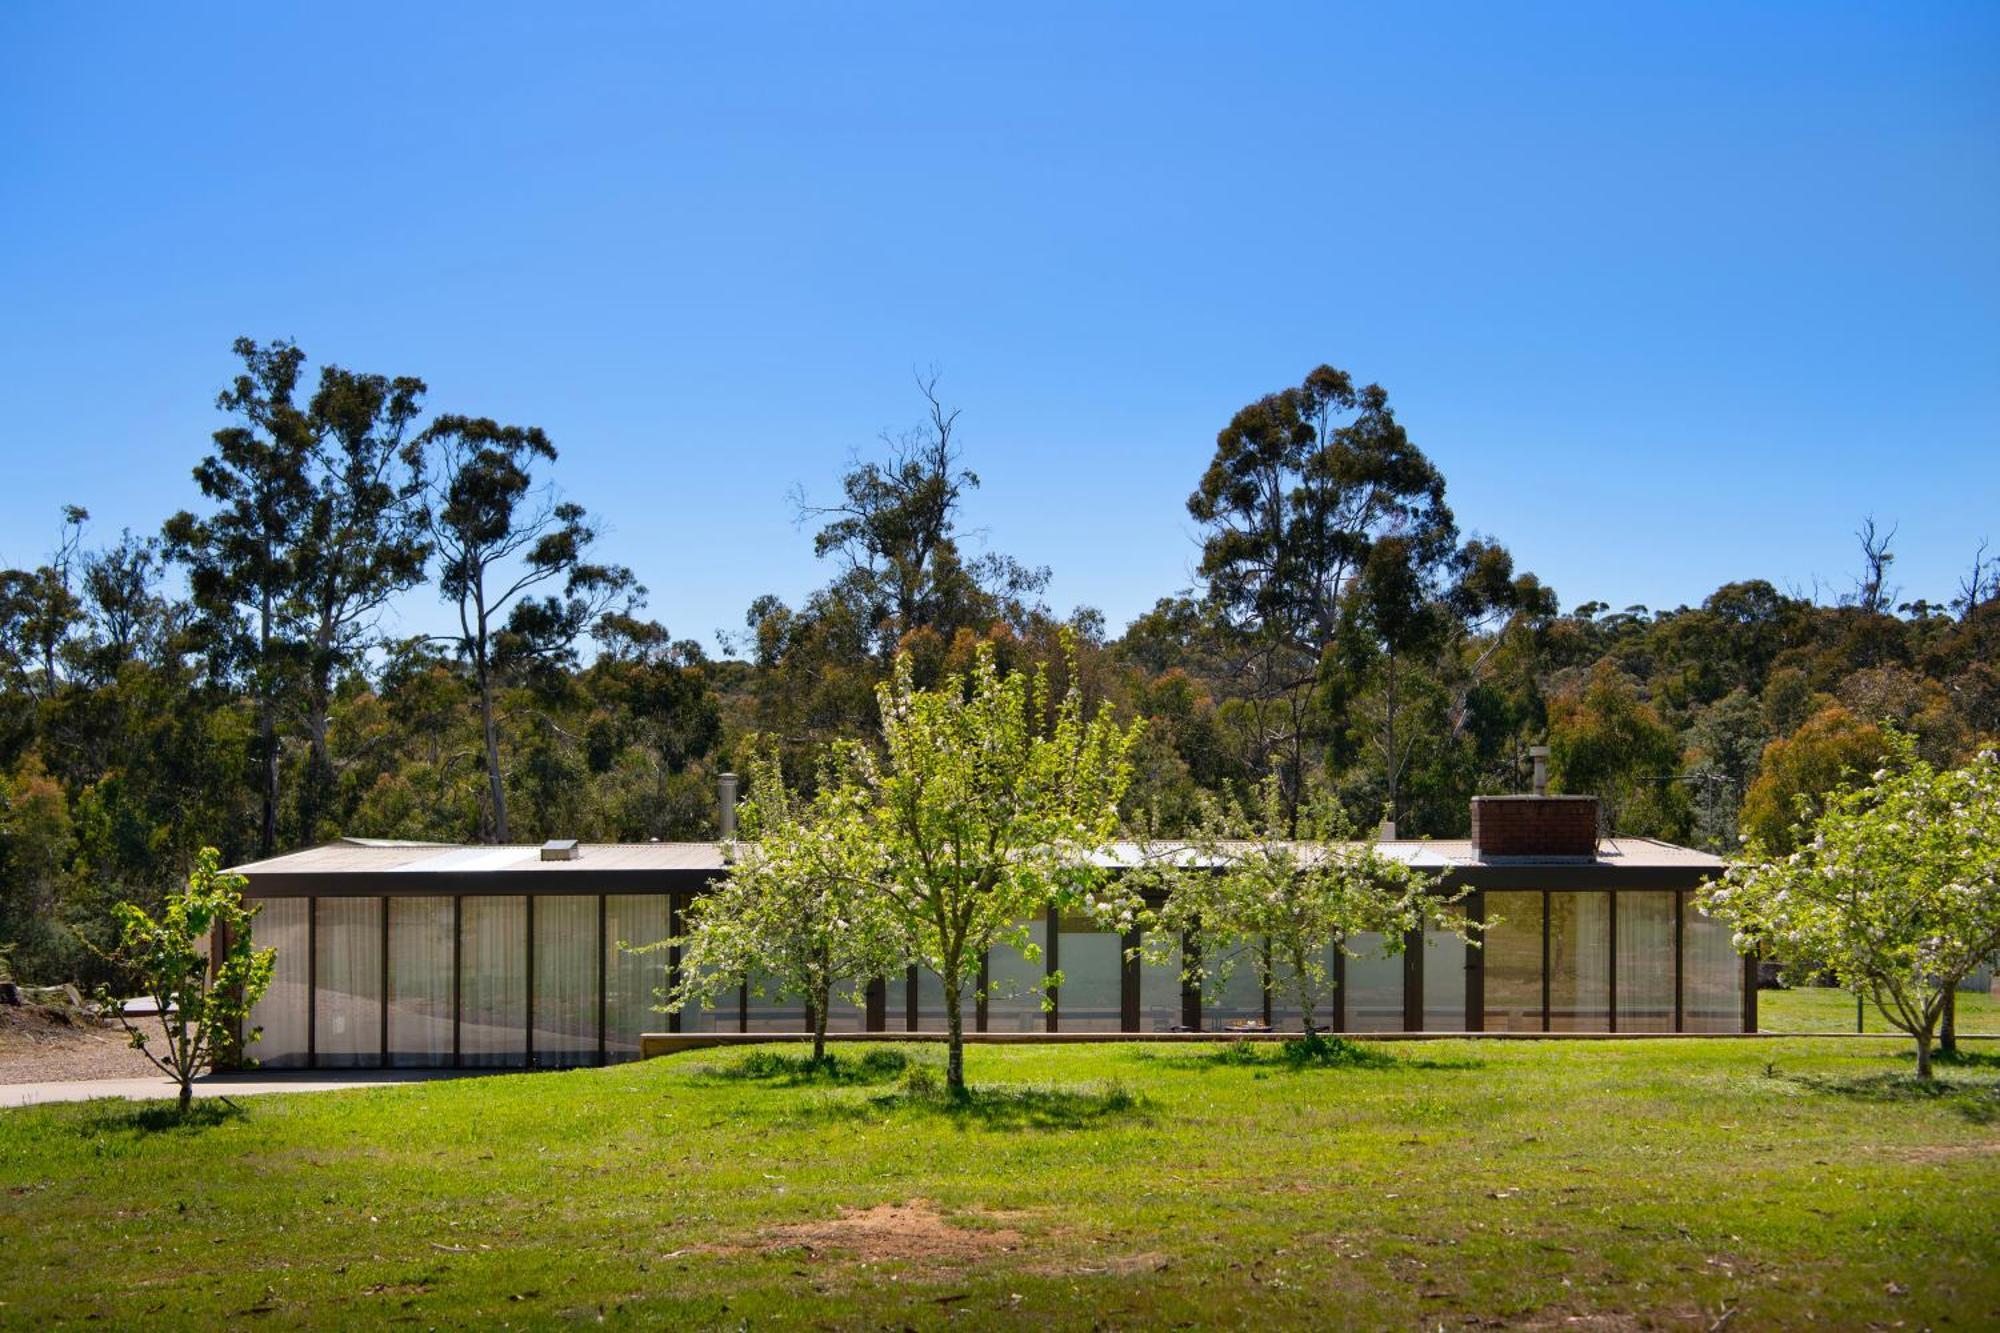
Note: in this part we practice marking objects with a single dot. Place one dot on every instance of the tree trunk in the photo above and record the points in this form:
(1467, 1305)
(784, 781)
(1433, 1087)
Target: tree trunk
(315, 798)
(818, 1000)
(267, 729)
(187, 1090)
(496, 786)
(1924, 1055)
(954, 1061)
(1948, 1034)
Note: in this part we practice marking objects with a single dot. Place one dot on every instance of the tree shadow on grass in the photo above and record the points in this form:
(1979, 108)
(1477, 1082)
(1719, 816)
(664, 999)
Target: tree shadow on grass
(1300, 1054)
(1978, 1102)
(923, 1093)
(1016, 1107)
(783, 1070)
(109, 1115)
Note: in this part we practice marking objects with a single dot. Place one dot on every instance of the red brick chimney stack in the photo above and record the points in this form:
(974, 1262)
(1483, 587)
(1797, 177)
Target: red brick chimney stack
(1534, 826)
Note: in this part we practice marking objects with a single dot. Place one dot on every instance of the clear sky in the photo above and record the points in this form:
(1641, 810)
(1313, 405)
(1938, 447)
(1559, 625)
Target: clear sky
(1673, 295)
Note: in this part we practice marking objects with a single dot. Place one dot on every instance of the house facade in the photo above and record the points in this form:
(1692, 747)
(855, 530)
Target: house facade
(424, 955)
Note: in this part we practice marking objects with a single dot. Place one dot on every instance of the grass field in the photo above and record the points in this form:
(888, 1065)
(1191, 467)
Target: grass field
(1615, 1184)
(1823, 1009)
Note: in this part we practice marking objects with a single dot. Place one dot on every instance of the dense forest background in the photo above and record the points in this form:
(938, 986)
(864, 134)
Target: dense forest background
(227, 680)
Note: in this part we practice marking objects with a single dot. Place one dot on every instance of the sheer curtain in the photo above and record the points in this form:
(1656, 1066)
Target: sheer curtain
(280, 924)
(631, 980)
(420, 962)
(493, 981)
(1580, 962)
(1712, 984)
(1646, 961)
(347, 1025)
(566, 963)
(1513, 945)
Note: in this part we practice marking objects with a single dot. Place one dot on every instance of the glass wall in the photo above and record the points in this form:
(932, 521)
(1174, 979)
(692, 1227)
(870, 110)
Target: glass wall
(1092, 962)
(930, 1003)
(493, 981)
(420, 966)
(1646, 961)
(347, 1024)
(1373, 1001)
(1445, 959)
(844, 1012)
(1285, 1013)
(1712, 977)
(567, 957)
(1235, 998)
(1580, 962)
(280, 924)
(1160, 993)
(768, 1011)
(1513, 944)
(1014, 984)
(631, 979)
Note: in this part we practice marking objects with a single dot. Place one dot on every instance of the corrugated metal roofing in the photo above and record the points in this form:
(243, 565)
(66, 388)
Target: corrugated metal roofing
(381, 856)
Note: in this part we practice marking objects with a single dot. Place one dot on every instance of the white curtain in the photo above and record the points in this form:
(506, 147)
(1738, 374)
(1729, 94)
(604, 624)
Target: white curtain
(280, 924)
(632, 980)
(348, 1021)
(493, 981)
(566, 963)
(1712, 984)
(1646, 961)
(1580, 962)
(420, 981)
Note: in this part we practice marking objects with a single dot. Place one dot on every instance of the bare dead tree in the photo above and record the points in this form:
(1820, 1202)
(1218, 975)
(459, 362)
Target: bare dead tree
(1979, 584)
(1872, 592)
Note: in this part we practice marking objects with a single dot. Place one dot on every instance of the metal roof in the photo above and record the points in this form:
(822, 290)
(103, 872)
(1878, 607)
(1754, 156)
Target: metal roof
(384, 866)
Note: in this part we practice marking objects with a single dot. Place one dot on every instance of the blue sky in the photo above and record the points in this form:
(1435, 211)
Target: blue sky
(1673, 294)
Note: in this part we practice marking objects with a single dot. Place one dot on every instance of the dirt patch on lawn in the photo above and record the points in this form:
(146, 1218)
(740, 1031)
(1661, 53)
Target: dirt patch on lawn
(913, 1232)
(49, 1043)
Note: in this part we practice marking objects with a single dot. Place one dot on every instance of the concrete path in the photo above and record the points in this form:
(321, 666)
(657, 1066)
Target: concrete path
(225, 1085)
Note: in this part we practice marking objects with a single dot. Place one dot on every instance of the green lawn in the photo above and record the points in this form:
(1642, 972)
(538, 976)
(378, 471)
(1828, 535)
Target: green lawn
(1823, 1009)
(1437, 1183)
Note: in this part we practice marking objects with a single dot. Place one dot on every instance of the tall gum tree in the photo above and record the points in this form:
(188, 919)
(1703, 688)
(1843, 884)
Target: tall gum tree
(499, 537)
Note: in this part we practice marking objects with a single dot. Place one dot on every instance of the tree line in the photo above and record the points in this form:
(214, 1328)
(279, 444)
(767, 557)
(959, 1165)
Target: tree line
(228, 681)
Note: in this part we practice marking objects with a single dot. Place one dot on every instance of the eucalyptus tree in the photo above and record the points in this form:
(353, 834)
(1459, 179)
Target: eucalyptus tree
(1278, 889)
(802, 912)
(1894, 889)
(361, 543)
(244, 556)
(993, 801)
(499, 535)
(1302, 485)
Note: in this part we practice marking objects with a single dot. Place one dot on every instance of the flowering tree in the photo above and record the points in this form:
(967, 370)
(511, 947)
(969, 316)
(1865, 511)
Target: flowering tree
(199, 1005)
(1246, 889)
(802, 910)
(992, 800)
(1894, 889)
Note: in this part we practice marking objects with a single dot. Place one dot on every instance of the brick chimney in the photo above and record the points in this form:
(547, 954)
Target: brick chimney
(1534, 826)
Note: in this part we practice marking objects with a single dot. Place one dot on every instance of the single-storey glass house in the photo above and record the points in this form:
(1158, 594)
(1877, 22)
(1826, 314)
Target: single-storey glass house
(415, 955)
